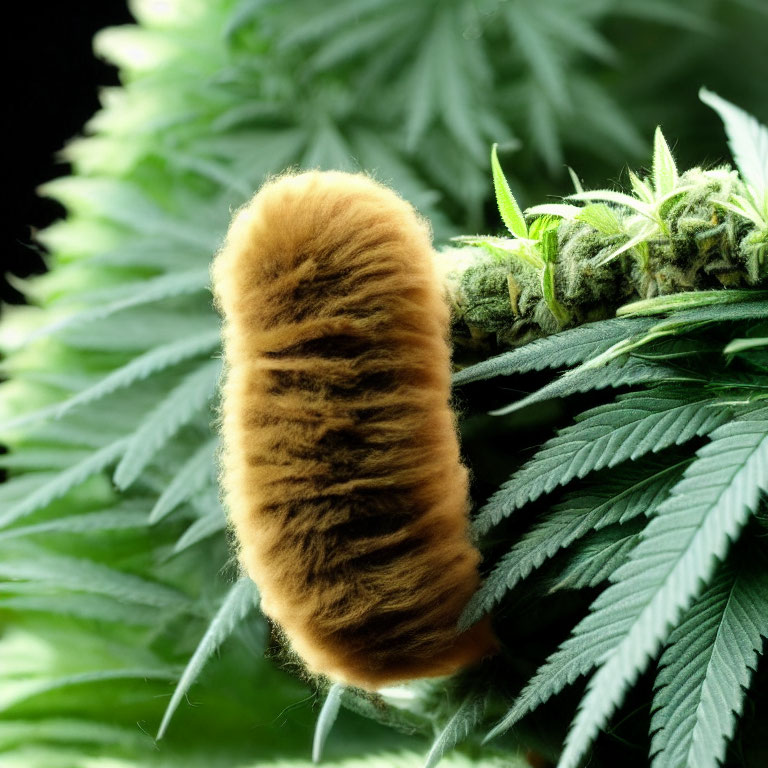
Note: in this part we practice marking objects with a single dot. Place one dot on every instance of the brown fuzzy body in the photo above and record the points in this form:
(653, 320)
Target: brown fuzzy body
(341, 464)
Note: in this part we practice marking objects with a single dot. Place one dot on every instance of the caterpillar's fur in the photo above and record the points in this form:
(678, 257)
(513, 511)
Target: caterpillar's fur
(341, 463)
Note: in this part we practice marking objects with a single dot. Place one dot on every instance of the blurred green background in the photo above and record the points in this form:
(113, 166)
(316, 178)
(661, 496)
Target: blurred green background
(114, 561)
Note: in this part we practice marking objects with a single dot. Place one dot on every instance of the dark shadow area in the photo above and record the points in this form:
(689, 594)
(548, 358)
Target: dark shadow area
(51, 90)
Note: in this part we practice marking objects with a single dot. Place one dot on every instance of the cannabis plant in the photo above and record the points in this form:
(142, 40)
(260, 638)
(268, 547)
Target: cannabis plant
(117, 586)
(674, 533)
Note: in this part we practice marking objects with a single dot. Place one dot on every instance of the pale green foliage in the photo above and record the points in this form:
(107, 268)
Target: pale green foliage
(510, 211)
(665, 174)
(682, 303)
(57, 757)
(739, 345)
(694, 526)
(697, 506)
(179, 408)
(123, 516)
(241, 599)
(115, 574)
(651, 196)
(326, 719)
(597, 557)
(615, 373)
(520, 249)
(634, 425)
(34, 564)
(192, 477)
(141, 367)
(464, 721)
(749, 145)
(706, 667)
(557, 351)
(129, 296)
(64, 482)
(628, 492)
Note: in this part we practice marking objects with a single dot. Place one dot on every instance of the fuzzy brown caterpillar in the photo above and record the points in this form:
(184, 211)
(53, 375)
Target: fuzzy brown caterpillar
(341, 465)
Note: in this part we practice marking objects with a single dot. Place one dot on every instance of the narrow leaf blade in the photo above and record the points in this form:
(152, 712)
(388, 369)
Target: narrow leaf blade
(510, 211)
(238, 603)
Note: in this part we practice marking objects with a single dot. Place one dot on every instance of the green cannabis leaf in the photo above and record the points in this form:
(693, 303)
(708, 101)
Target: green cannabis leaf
(462, 723)
(634, 425)
(240, 600)
(697, 505)
(706, 667)
(749, 144)
(508, 207)
(704, 513)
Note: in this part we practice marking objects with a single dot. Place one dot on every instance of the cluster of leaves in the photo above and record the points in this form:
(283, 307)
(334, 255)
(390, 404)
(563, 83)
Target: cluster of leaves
(660, 527)
(677, 527)
(268, 85)
(698, 230)
(116, 581)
